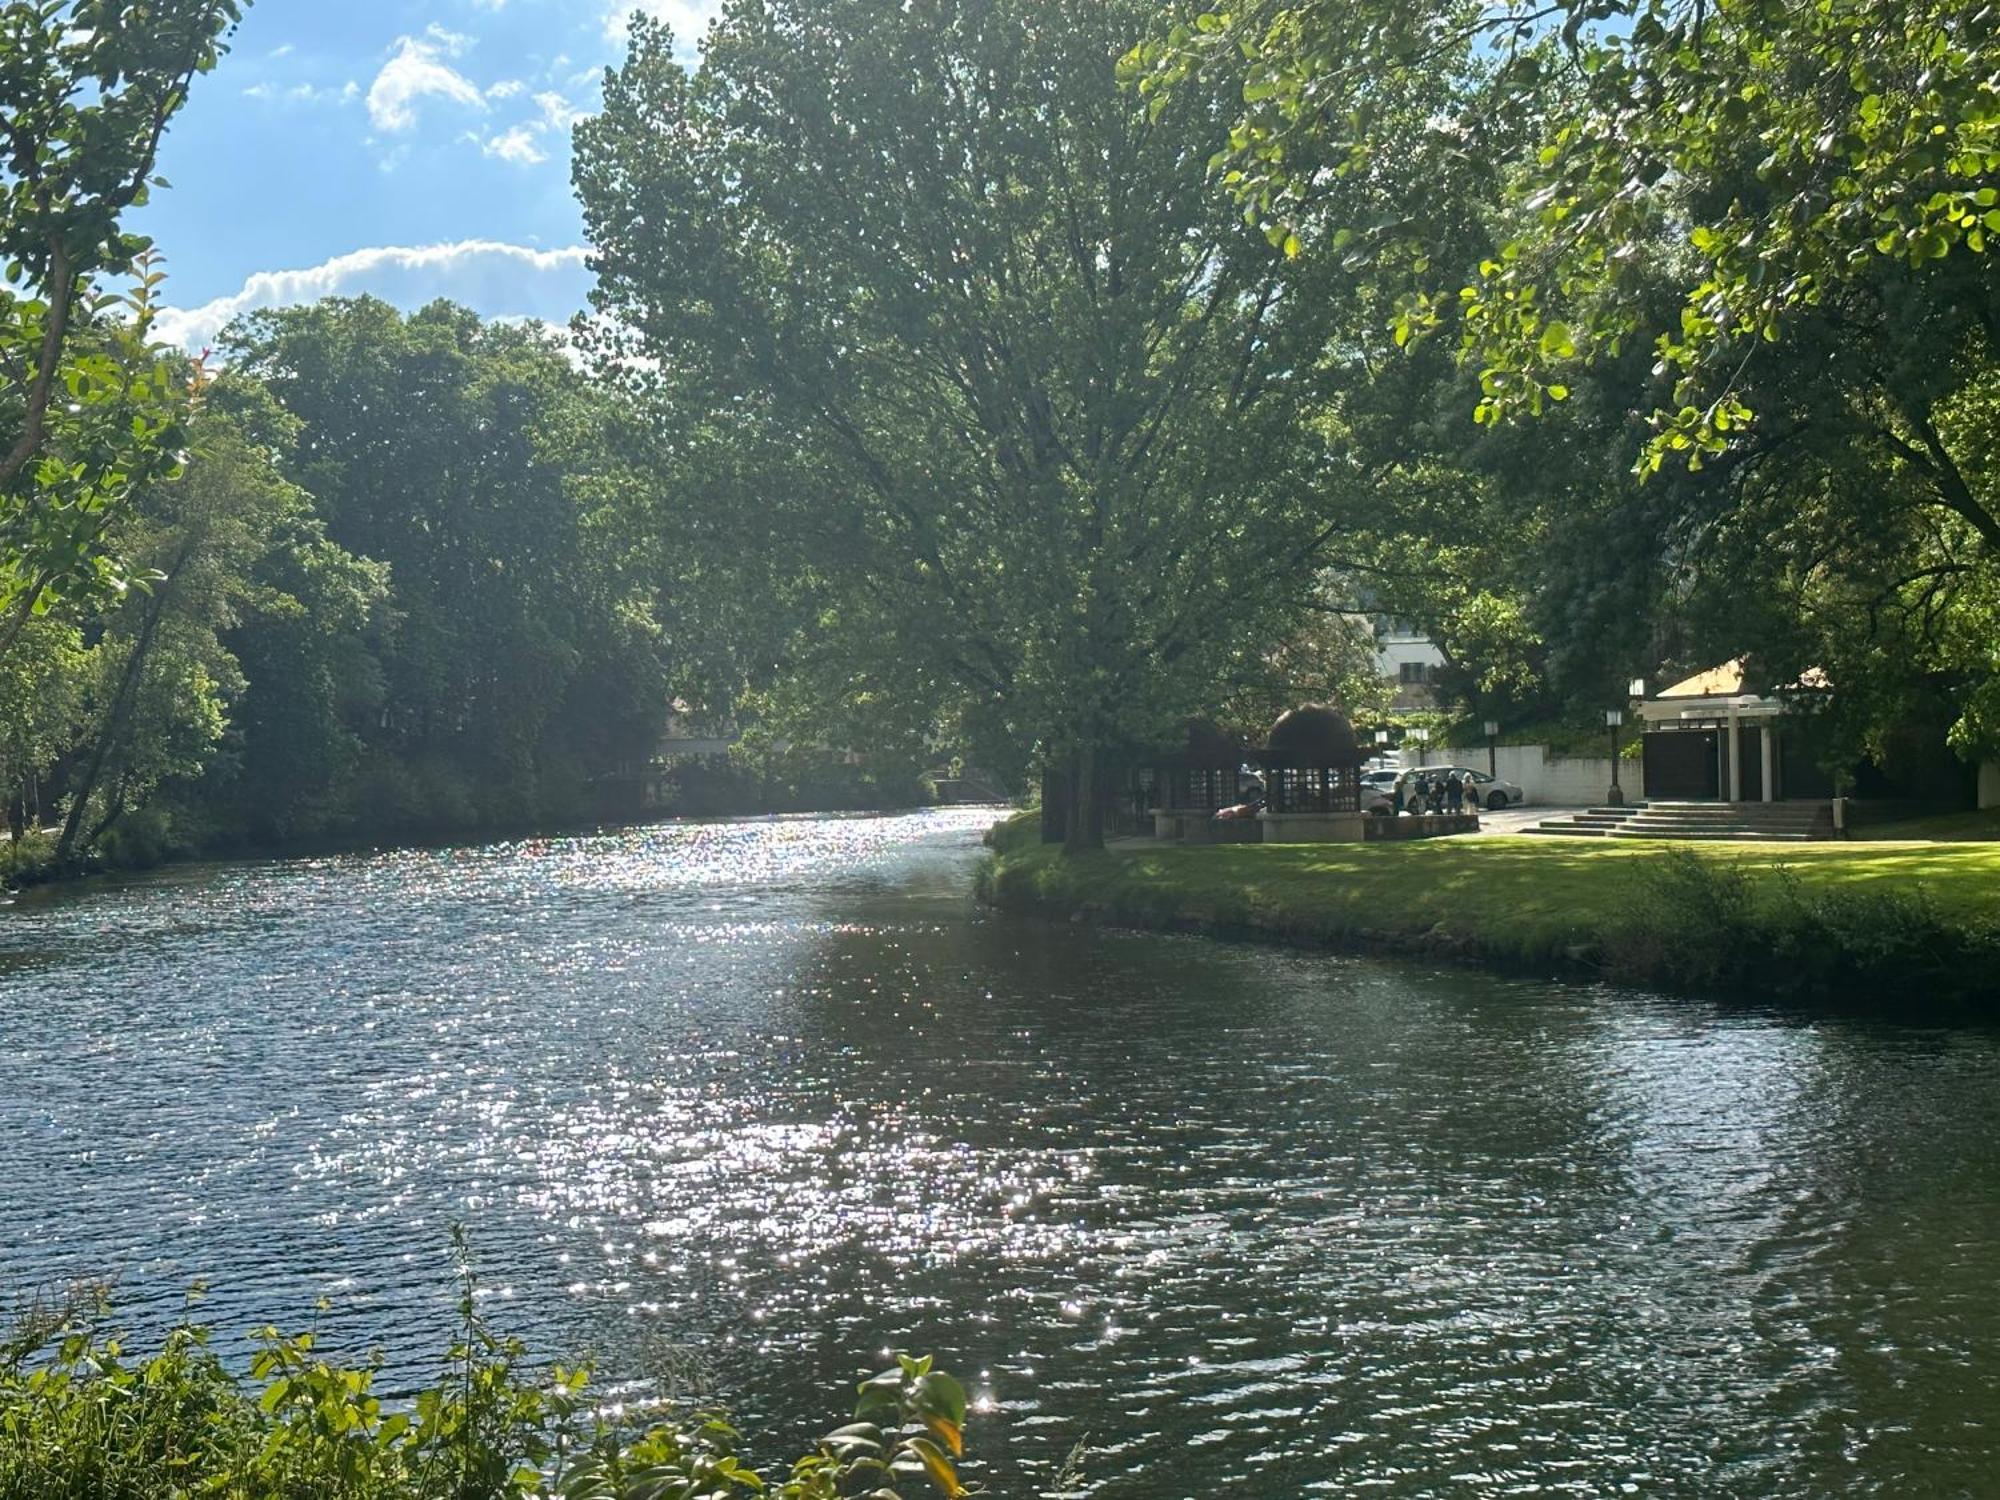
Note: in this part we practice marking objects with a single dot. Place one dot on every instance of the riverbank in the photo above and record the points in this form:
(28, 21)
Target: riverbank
(1910, 924)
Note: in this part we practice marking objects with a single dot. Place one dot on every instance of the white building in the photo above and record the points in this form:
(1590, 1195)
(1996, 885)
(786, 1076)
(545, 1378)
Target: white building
(1408, 660)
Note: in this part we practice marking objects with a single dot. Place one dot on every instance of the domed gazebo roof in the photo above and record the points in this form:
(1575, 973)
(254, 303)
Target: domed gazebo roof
(1314, 735)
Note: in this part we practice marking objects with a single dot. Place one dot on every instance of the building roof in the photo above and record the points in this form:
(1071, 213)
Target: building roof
(1314, 735)
(1725, 681)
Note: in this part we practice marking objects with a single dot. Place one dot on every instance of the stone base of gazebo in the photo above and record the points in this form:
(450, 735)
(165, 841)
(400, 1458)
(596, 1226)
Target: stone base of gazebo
(1314, 827)
(1422, 826)
(1196, 826)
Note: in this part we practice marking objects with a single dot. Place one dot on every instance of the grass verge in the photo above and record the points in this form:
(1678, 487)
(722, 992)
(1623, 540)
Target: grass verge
(1897, 922)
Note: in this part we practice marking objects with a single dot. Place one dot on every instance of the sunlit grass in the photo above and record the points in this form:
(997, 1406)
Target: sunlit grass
(1528, 898)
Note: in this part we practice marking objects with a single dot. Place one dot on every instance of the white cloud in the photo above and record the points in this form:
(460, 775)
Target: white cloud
(517, 146)
(689, 18)
(506, 88)
(493, 278)
(453, 43)
(303, 93)
(557, 112)
(417, 70)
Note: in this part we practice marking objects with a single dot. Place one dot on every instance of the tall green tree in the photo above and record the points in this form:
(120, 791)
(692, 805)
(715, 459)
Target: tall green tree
(87, 88)
(962, 346)
(523, 652)
(161, 677)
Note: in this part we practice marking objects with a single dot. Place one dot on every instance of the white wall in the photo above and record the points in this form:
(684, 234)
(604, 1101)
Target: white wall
(1549, 780)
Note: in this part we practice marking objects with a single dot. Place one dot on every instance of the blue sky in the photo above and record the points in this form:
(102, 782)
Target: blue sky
(412, 150)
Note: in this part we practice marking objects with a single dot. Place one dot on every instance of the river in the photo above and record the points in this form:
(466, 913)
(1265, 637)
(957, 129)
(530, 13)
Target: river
(751, 1102)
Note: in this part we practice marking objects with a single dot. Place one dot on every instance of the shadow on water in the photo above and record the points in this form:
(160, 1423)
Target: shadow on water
(779, 1095)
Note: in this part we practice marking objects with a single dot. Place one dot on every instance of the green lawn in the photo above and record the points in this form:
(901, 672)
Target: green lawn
(1630, 903)
(1951, 827)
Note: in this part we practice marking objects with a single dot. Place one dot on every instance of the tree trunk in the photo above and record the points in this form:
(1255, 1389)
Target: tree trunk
(114, 727)
(1086, 806)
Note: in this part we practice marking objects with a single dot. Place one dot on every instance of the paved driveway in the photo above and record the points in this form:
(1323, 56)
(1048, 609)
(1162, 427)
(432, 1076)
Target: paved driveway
(1514, 819)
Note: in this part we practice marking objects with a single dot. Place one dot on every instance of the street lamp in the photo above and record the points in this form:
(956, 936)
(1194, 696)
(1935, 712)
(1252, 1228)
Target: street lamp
(1636, 688)
(1492, 754)
(1422, 737)
(1613, 718)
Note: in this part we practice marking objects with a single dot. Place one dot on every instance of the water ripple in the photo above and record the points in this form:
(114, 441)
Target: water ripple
(773, 1092)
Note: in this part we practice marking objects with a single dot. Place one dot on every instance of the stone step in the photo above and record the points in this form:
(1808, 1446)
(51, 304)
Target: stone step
(1735, 820)
(1713, 835)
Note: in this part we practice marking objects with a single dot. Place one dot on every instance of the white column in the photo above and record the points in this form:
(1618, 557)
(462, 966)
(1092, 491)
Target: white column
(1732, 790)
(1767, 737)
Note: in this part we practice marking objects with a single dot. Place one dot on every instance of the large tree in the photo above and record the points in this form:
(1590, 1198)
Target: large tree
(1762, 230)
(961, 346)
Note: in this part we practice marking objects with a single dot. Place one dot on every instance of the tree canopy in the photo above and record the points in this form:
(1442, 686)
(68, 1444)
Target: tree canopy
(1039, 439)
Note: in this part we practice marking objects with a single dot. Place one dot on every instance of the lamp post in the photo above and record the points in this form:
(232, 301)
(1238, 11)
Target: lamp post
(1422, 737)
(1381, 743)
(1613, 718)
(1492, 751)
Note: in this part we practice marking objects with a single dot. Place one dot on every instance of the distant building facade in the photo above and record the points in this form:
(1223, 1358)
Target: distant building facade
(1409, 662)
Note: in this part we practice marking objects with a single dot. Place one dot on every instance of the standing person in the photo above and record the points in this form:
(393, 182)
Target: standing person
(1397, 790)
(1458, 791)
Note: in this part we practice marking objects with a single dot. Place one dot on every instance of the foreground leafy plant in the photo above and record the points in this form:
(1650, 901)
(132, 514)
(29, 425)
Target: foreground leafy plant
(82, 1419)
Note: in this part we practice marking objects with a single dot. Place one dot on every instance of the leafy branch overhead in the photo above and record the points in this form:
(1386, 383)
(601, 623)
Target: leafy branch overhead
(86, 411)
(1772, 156)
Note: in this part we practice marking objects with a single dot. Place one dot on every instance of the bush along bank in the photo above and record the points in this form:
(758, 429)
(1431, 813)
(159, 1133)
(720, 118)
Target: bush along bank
(1895, 925)
(82, 1417)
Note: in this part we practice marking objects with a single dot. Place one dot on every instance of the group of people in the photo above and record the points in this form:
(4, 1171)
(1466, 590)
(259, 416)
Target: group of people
(1433, 792)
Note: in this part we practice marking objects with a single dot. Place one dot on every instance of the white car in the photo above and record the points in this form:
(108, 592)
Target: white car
(1378, 791)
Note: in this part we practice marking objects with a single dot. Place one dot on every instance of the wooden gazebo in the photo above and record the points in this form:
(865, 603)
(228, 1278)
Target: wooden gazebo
(1190, 784)
(1312, 778)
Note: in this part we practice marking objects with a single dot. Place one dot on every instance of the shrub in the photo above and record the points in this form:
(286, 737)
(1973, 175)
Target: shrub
(81, 1418)
(1705, 923)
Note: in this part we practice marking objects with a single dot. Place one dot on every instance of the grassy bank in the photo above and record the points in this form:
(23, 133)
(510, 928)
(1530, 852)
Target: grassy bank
(1897, 921)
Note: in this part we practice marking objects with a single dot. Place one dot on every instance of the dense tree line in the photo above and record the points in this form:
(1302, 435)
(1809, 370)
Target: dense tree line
(1011, 381)
(386, 591)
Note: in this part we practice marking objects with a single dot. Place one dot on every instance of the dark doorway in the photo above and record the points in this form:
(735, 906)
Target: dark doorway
(1682, 764)
(1750, 763)
(1800, 774)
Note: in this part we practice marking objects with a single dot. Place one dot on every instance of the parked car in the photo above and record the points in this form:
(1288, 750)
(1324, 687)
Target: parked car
(1378, 791)
(1494, 792)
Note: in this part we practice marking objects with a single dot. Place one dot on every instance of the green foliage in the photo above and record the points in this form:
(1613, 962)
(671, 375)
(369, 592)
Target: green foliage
(1706, 924)
(514, 602)
(984, 398)
(84, 1418)
(87, 412)
(1763, 228)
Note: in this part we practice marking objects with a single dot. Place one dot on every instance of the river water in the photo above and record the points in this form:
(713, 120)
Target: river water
(752, 1102)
